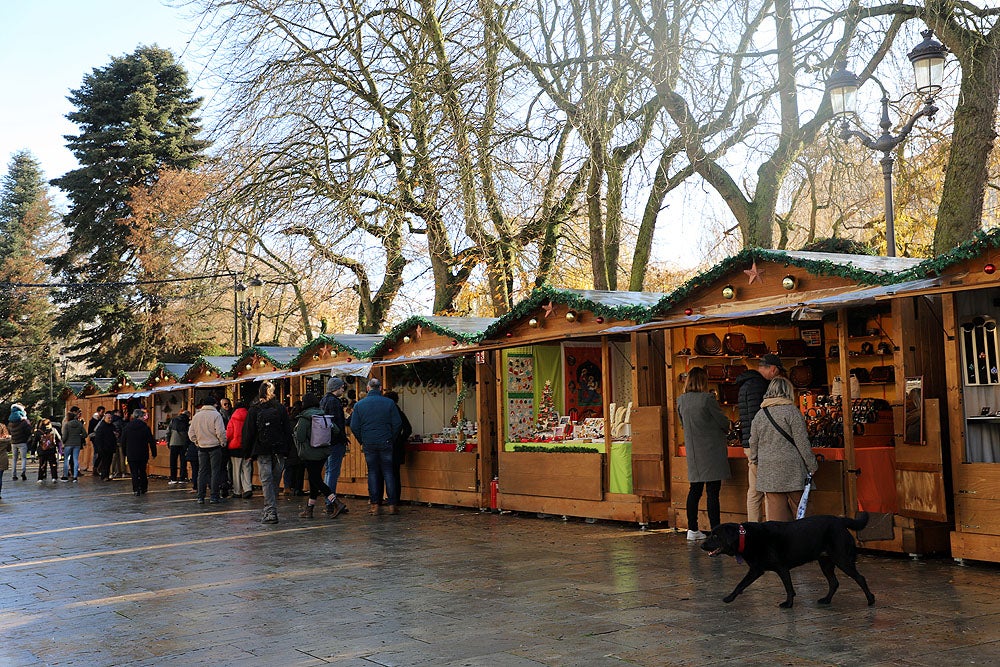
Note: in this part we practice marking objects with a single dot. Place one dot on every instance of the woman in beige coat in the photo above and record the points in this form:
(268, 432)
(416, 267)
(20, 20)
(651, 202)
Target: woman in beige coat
(781, 450)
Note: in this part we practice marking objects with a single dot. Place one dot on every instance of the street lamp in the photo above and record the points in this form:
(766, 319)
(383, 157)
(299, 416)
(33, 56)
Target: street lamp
(928, 59)
(249, 304)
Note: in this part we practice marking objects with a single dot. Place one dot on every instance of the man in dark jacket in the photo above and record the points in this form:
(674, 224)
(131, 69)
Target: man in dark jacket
(332, 404)
(177, 440)
(267, 438)
(375, 422)
(753, 384)
(138, 442)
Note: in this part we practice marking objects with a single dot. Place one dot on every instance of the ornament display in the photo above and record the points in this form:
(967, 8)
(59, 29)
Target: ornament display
(548, 417)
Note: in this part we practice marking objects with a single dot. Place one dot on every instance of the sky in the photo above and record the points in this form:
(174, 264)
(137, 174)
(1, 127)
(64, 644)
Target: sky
(46, 48)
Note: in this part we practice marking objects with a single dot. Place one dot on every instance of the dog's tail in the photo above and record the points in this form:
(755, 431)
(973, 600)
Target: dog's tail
(858, 522)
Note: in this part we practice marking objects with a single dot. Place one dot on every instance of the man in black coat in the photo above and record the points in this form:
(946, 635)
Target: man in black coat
(753, 384)
(138, 443)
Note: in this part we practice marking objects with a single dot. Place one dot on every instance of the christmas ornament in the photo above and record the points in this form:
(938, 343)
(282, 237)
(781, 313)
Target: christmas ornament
(754, 274)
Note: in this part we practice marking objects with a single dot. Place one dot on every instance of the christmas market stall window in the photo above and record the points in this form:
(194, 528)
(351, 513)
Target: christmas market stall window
(441, 409)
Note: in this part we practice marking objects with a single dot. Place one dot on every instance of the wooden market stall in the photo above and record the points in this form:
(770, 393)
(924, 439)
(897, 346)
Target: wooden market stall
(839, 344)
(431, 362)
(580, 432)
(168, 396)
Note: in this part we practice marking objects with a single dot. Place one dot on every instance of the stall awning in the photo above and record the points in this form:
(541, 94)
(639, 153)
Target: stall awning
(429, 355)
(169, 387)
(359, 368)
(134, 394)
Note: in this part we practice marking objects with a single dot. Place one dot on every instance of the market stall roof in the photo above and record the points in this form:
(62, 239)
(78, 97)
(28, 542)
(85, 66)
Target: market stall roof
(635, 306)
(164, 371)
(820, 302)
(281, 357)
(354, 345)
(467, 330)
(135, 378)
(76, 387)
(219, 364)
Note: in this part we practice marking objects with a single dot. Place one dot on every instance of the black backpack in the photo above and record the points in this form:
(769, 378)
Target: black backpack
(271, 432)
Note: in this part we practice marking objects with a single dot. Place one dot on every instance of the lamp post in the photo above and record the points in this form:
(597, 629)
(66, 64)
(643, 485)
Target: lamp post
(928, 59)
(249, 304)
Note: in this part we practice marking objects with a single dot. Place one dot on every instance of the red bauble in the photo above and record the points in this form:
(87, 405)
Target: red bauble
(599, 320)
(454, 342)
(989, 269)
(688, 311)
(509, 335)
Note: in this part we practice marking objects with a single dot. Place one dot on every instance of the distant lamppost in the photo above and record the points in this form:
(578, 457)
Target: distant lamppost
(928, 59)
(248, 305)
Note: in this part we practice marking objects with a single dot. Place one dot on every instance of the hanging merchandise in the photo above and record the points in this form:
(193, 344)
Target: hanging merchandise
(584, 381)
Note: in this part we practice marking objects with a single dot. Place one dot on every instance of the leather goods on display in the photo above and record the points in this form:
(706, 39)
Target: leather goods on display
(867, 348)
(734, 371)
(708, 344)
(729, 394)
(883, 374)
(884, 348)
(755, 350)
(734, 343)
(834, 351)
(801, 375)
(862, 374)
(792, 347)
(715, 372)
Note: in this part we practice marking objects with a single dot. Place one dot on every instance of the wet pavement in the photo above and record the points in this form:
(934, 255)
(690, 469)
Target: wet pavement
(91, 575)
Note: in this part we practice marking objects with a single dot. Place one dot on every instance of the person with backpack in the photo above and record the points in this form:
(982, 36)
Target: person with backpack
(332, 404)
(242, 467)
(267, 438)
(48, 443)
(73, 434)
(177, 440)
(20, 433)
(208, 432)
(313, 434)
(105, 442)
(375, 421)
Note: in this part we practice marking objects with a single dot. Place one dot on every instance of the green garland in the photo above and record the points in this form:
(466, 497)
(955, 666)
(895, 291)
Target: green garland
(569, 449)
(158, 368)
(309, 349)
(413, 321)
(210, 366)
(980, 242)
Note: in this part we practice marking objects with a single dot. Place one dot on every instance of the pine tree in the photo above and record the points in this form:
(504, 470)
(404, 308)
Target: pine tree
(26, 221)
(137, 120)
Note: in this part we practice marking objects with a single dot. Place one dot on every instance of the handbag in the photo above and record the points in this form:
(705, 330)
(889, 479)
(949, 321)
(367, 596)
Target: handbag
(801, 375)
(729, 394)
(883, 374)
(715, 372)
(734, 343)
(756, 349)
(792, 347)
(733, 371)
(862, 374)
(707, 344)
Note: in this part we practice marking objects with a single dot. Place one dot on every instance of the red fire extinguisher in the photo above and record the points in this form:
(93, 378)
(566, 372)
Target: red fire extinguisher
(494, 492)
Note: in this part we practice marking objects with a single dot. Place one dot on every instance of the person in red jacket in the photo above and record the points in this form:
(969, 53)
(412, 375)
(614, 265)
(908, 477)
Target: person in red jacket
(242, 467)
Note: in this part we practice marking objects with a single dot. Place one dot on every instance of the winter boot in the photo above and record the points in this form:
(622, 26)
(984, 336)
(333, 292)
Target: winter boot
(307, 513)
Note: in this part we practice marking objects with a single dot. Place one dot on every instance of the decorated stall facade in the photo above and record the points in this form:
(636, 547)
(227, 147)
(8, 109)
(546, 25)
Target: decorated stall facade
(581, 430)
(431, 362)
(843, 342)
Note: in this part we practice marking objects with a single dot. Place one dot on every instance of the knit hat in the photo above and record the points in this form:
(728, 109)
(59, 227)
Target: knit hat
(334, 384)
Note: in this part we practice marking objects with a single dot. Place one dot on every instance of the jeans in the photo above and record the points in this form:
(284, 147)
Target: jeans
(333, 464)
(1, 480)
(316, 486)
(178, 464)
(209, 460)
(71, 451)
(270, 468)
(381, 473)
(694, 497)
(22, 449)
(242, 474)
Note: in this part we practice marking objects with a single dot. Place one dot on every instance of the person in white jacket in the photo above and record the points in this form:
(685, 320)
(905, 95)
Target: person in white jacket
(208, 433)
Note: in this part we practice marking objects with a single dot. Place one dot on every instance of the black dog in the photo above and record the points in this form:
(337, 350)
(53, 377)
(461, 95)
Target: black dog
(779, 546)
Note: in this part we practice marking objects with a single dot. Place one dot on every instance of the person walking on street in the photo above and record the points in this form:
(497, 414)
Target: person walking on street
(177, 440)
(332, 404)
(20, 433)
(208, 432)
(399, 444)
(242, 467)
(73, 434)
(752, 385)
(779, 446)
(4, 455)
(104, 441)
(705, 428)
(313, 447)
(267, 438)
(375, 422)
(118, 458)
(139, 444)
(48, 443)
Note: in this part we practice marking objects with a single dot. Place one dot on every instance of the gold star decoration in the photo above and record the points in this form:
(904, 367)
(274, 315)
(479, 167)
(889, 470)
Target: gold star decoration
(753, 273)
(548, 308)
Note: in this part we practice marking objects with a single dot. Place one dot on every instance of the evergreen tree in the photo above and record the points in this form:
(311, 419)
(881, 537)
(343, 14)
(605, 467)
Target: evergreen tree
(137, 119)
(26, 222)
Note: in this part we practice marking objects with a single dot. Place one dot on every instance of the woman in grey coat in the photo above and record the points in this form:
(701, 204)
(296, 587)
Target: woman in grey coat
(705, 428)
(783, 459)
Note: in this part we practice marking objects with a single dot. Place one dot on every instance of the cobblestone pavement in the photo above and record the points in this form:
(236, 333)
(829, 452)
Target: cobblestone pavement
(91, 575)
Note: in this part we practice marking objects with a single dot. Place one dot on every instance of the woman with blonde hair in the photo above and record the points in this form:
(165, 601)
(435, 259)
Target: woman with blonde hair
(779, 445)
(705, 427)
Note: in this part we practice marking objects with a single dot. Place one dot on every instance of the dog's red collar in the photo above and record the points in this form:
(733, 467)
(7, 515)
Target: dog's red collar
(743, 539)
